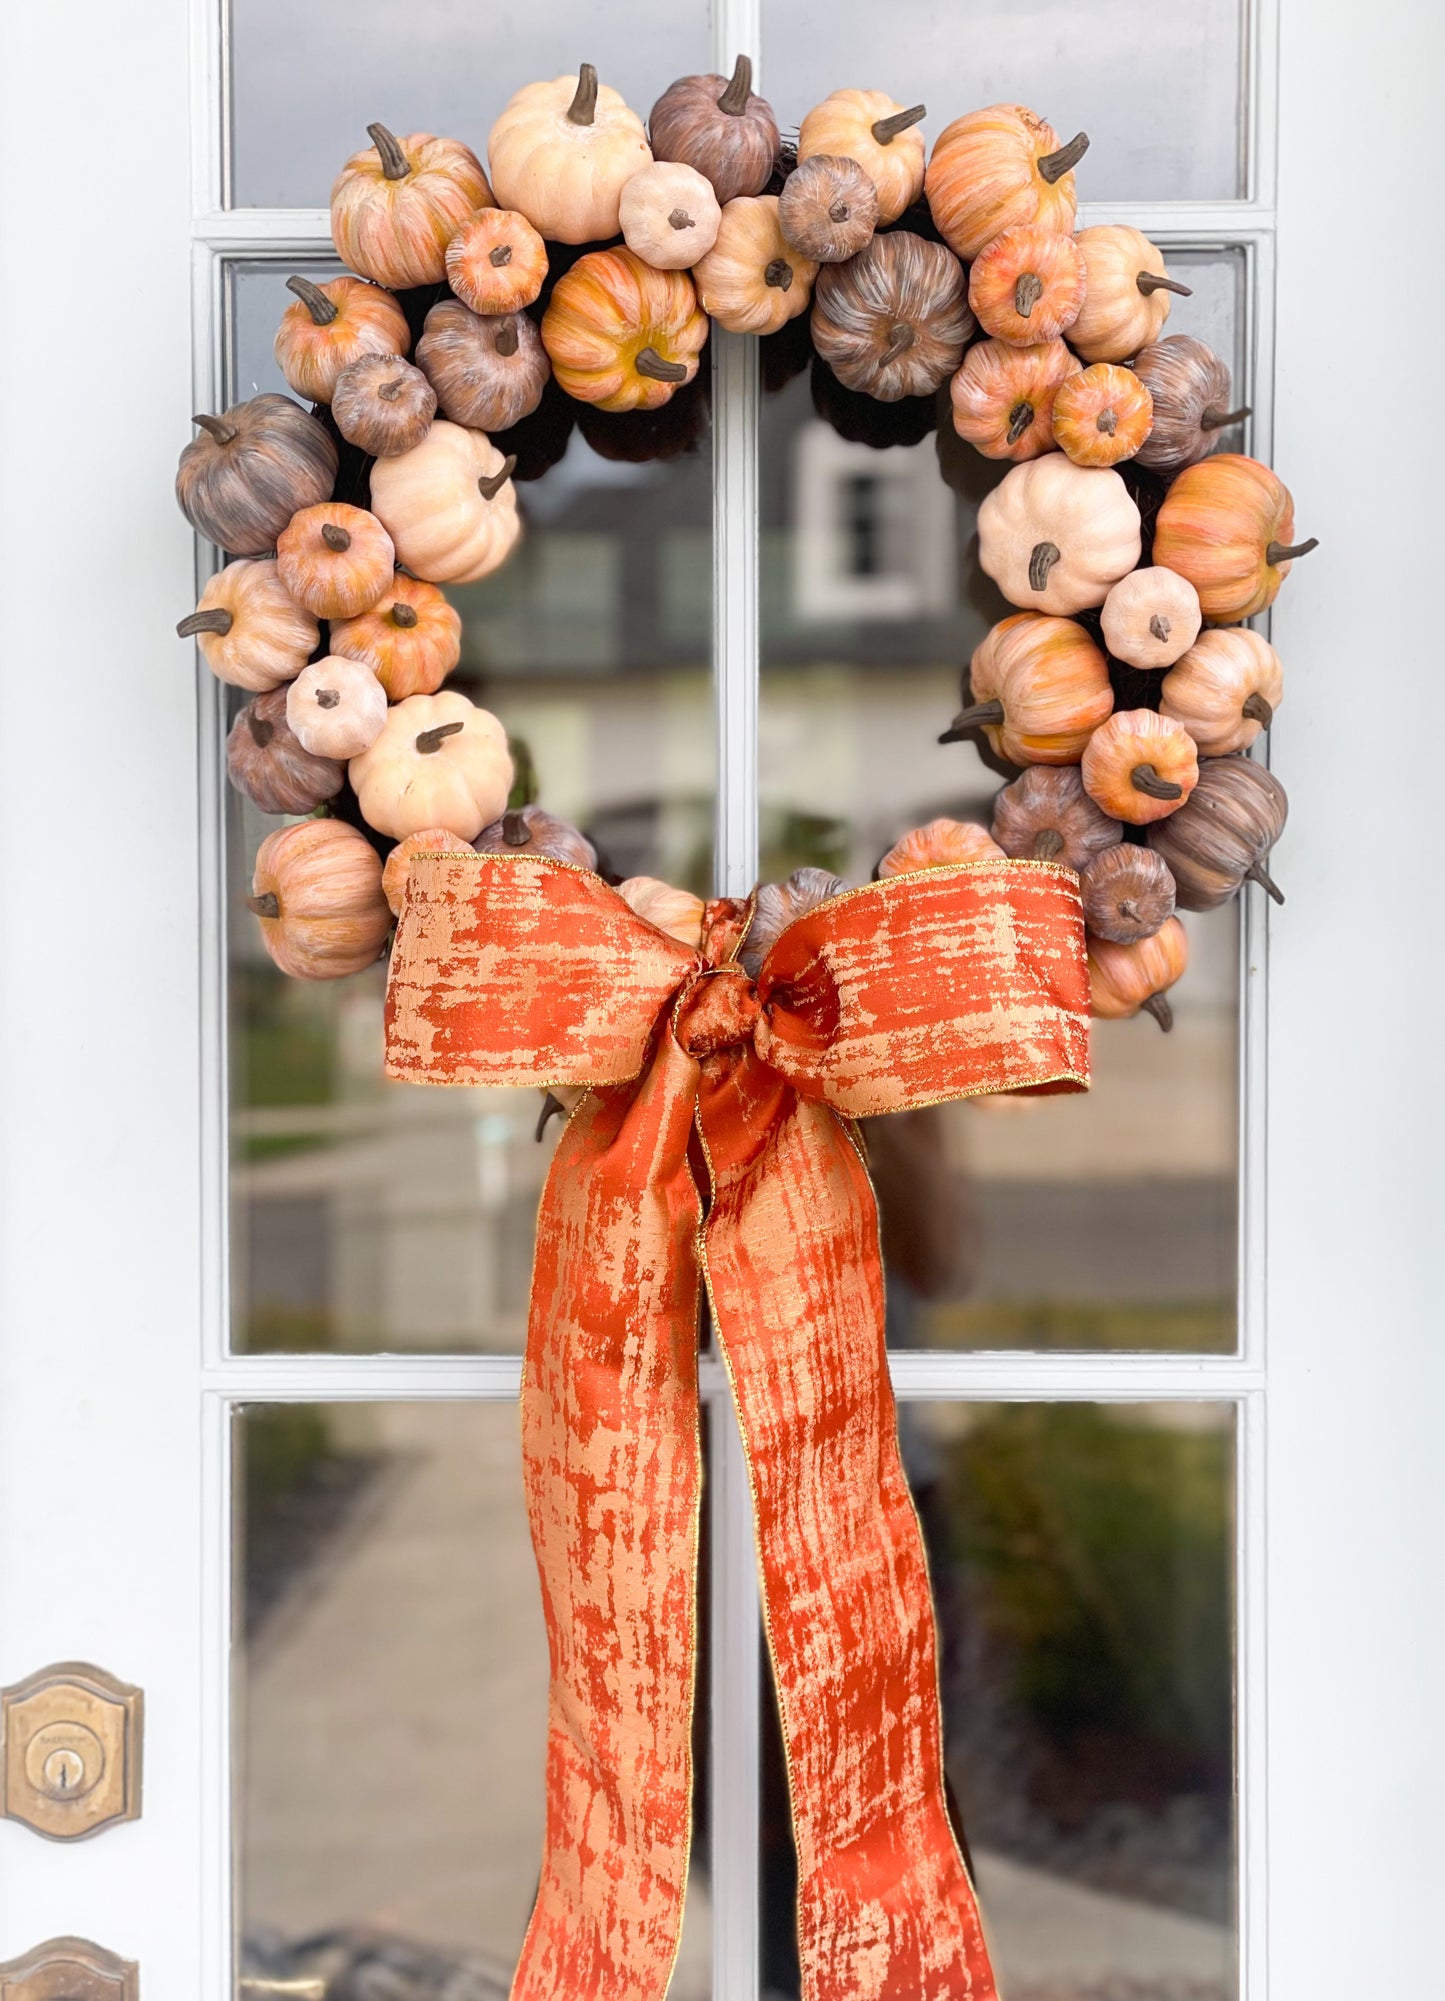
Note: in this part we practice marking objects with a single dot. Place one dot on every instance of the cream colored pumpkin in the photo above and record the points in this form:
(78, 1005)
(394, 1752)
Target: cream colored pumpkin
(439, 762)
(1151, 617)
(669, 215)
(676, 911)
(562, 152)
(316, 890)
(1225, 690)
(753, 280)
(1126, 297)
(336, 707)
(251, 631)
(883, 137)
(1055, 536)
(448, 505)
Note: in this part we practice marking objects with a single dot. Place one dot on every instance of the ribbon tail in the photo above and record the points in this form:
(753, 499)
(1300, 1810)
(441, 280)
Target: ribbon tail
(613, 1476)
(886, 1911)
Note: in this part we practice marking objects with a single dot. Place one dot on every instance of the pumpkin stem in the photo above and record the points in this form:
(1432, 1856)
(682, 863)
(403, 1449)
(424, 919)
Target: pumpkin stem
(1048, 842)
(1259, 709)
(734, 100)
(779, 274)
(901, 337)
(886, 130)
(680, 219)
(1028, 290)
(217, 428)
(1107, 422)
(431, 741)
(328, 698)
(261, 731)
(1285, 552)
(394, 163)
(1260, 874)
(1045, 555)
(515, 831)
(1221, 420)
(216, 620)
(1160, 627)
(1161, 1011)
(1053, 166)
(403, 615)
(583, 108)
(501, 255)
(839, 212)
(970, 718)
(1144, 778)
(322, 310)
(389, 390)
(1019, 419)
(551, 1106)
(334, 537)
(268, 905)
(491, 484)
(1149, 282)
(507, 339)
(650, 362)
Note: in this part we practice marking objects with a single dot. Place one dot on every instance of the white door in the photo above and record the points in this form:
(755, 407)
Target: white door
(1168, 1362)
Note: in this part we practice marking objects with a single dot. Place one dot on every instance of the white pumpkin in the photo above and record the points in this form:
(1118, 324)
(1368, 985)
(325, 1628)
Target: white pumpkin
(250, 630)
(1151, 618)
(669, 215)
(336, 707)
(448, 505)
(439, 762)
(1055, 537)
(562, 152)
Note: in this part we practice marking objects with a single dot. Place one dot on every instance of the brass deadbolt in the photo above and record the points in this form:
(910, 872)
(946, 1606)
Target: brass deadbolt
(69, 1969)
(70, 1752)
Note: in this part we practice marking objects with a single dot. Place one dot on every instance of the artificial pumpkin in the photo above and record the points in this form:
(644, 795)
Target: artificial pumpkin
(1151, 618)
(316, 890)
(267, 761)
(449, 505)
(397, 872)
(331, 325)
(669, 215)
(239, 483)
(1045, 815)
(1102, 415)
(753, 280)
(1003, 396)
(828, 208)
(1225, 690)
(1139, 766)
(883, 137)
(892, 321)
(1221, 838)
(335, 560)
(496, 262)
(1189, 387)
(1227, 524)
(411, 638)
(1125, 979)
(1128, 294)
(941, 844)
(1127, 893)
(1038, 687)
(383, 405)
(336, 707)
(719, 126)
(531, 830)
(439, 762)
(676, 911)
(1055, 536)
(997, 167)
(488, 373)
(622, 335)
(1027, 284)
(398, 204)
(561, 154)
(251, 631)
(776, 905)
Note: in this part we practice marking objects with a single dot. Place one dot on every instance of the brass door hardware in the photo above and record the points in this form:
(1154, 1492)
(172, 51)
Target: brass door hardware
(70, 1751)
(69, 1969)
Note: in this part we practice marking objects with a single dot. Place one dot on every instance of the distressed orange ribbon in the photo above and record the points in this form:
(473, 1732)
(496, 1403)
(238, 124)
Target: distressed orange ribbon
(945, 984)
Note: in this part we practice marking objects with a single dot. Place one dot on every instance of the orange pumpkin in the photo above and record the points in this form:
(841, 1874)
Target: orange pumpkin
(997, 167)
(622, 335)
(1227, 524)
(331, 325)
(1003, 396)
(1139, 766)
(1102, 415)
(941, 844)
(1125, 978)
(1127, 301)
(397, 205)
(316, 890)
(411, 638)
(1224, 690)
(496, 262)
(335, 560)
(1027, 285)
(1039, 689)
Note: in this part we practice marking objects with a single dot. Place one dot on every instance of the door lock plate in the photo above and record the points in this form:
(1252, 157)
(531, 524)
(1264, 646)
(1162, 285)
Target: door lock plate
(69, 1969)
(71, 1758)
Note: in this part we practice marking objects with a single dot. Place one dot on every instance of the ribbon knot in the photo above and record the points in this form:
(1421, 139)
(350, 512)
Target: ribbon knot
(717, 1009)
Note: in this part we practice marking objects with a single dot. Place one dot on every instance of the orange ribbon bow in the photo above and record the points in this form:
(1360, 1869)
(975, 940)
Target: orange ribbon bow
(945, 984)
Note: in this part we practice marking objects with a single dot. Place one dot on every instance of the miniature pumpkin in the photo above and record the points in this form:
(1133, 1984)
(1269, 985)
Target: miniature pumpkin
(1039, 688)
(561, 154)
(449, 505)
(676, 911)
(1139, 766)
(1123, 979)
(753, 280)
(331, 325)
(335, 560)
(1027, 285)
(777, 905)
(383, 405)
(1151, 618)
(892, 321)
(1127, 893)
(828, 208)
(1047, 816)
(1225, 690)
(867, 126)
(1055, 536)
(1103, 415)
(1127, 299)
(669, 215)
(622, 335)
(240, 482)
(438, 762)
(317, 891)
(1003, 396)
(336, 707)
(941, 844)
(719, 126)
(1190, 389)
(1221, 838)
(251, 631)
(496, 262)
(397, 872)
(530, 830)
(487, 373)
(267, 762)
(1227, 524)
(997, 167)
(398, 204)
(411, 638)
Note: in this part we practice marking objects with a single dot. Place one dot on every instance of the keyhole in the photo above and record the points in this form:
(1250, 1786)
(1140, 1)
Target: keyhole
(64, 1773)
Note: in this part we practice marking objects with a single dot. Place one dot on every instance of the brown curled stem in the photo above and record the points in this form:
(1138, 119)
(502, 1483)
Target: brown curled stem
(394, 163)
(1053, 166)
(491, 484)
(1161, 1011)
(1144, 778)
(216, 427)
(1041, 561)
(430, 741)
(734, 100)
(217, 619)
(1048, 842)
(583, 108)
(334, 537)
(322, 310)
(1150, 282)
(650, 363)
(973, 717)
(1260, 874)
(1285, 552)
(1221, 420)
(1259, 709)
(886, 130)
(268, 905)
